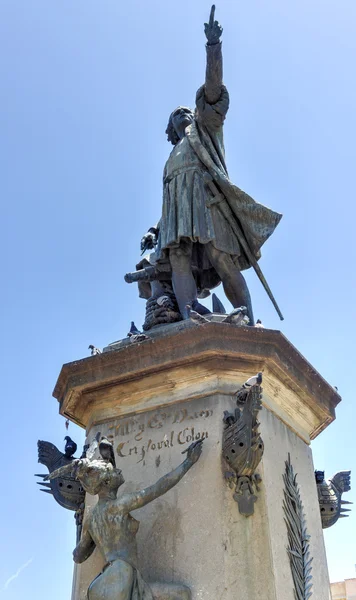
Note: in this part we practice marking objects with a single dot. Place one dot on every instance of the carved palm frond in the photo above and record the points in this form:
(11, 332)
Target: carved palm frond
(298, 538)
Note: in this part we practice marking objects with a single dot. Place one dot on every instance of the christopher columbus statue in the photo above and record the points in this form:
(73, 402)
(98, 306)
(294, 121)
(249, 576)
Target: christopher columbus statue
(210, 230)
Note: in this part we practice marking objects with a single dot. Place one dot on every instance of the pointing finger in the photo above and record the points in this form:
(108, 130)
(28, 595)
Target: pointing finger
(212, 14)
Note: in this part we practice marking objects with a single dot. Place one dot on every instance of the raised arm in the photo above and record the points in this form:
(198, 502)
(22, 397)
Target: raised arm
(134, 500)
(214, 66)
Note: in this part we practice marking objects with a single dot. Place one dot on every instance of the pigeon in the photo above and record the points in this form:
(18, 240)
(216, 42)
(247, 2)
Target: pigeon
(67, 423)
(259, 324)
(195, 316)
(238, 317)
(255, 380)
(94, 350)
(135, 334)
(133, 330)
(242, 393)
(70, 447)
(140, 337)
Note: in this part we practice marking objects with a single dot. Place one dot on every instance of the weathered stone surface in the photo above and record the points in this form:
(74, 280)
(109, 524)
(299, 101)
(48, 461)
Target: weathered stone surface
(185, 361)
(152, 399)
(195, 535)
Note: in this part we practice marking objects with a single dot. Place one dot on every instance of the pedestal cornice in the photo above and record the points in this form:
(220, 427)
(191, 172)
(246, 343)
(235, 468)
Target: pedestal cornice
(186, 361)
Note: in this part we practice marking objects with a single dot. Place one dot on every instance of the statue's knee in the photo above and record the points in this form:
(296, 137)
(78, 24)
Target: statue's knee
(179, 254)
(223, 263)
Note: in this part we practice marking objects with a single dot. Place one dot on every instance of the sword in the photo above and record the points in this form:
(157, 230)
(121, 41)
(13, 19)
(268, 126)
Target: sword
(222, 204)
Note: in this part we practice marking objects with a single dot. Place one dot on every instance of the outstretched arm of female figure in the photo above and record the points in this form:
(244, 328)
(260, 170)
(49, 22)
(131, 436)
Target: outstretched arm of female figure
(134, 500)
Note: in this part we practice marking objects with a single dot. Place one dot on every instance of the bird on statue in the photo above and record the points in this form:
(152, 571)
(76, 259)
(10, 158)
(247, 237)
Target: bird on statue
(259, 324)
(195, 316)
(133, 330)
(70, 447)
(238, 317)
(245, 388)
(135, 334)
(94, 350)
(255, 380)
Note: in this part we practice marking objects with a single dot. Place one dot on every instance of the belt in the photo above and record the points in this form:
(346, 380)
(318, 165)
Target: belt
(181, 170)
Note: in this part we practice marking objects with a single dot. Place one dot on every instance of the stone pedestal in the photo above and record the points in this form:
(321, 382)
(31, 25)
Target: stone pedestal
(152, 399)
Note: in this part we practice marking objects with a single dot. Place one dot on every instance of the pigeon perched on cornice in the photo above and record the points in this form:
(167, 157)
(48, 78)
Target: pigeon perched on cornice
(94, 350)
(244, 389)
(238, 317)
(136, 335)
(195, 316)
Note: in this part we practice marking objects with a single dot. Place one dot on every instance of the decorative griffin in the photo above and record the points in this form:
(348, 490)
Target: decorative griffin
(329, 496)
(67, 490)
(243, 446)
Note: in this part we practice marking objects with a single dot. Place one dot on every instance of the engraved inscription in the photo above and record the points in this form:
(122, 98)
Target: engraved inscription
(184, 427)
(159, 419)
(185, 436)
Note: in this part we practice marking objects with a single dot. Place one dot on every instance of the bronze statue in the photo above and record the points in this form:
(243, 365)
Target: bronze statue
(242, 445)
(66, 489)
(329, 496)
(210, 230)
(110, 526)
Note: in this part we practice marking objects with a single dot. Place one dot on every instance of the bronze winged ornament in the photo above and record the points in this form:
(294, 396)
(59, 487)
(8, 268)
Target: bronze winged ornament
(66, 489)
(243, 446)
(329, 496)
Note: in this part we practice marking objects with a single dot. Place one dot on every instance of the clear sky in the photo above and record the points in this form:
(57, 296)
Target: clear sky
(86, 90)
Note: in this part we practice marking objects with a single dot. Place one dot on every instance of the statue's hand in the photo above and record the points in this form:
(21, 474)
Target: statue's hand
(194, 451)
(213, 29)
(149, 240)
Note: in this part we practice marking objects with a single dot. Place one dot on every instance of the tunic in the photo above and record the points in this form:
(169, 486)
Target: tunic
(185, 213)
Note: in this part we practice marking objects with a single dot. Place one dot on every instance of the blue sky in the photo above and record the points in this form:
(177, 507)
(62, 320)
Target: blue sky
(86, 91)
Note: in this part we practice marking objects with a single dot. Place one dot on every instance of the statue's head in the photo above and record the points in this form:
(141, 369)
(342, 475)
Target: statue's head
(179, 119)
(99, 478)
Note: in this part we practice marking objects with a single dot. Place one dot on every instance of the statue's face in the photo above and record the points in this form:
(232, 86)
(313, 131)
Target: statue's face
(181, 118)
(99, 477)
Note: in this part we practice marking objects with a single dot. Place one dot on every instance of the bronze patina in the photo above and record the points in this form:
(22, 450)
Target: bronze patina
(210, 230)
(242, 445)
(332, 507)
(110, 526)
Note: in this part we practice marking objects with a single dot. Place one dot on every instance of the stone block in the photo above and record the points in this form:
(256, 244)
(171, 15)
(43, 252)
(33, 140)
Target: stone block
(152, 399)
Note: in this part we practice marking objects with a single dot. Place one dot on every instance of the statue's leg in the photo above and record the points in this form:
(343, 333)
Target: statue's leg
(183, 282)
(234, 283)
(115, 583)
